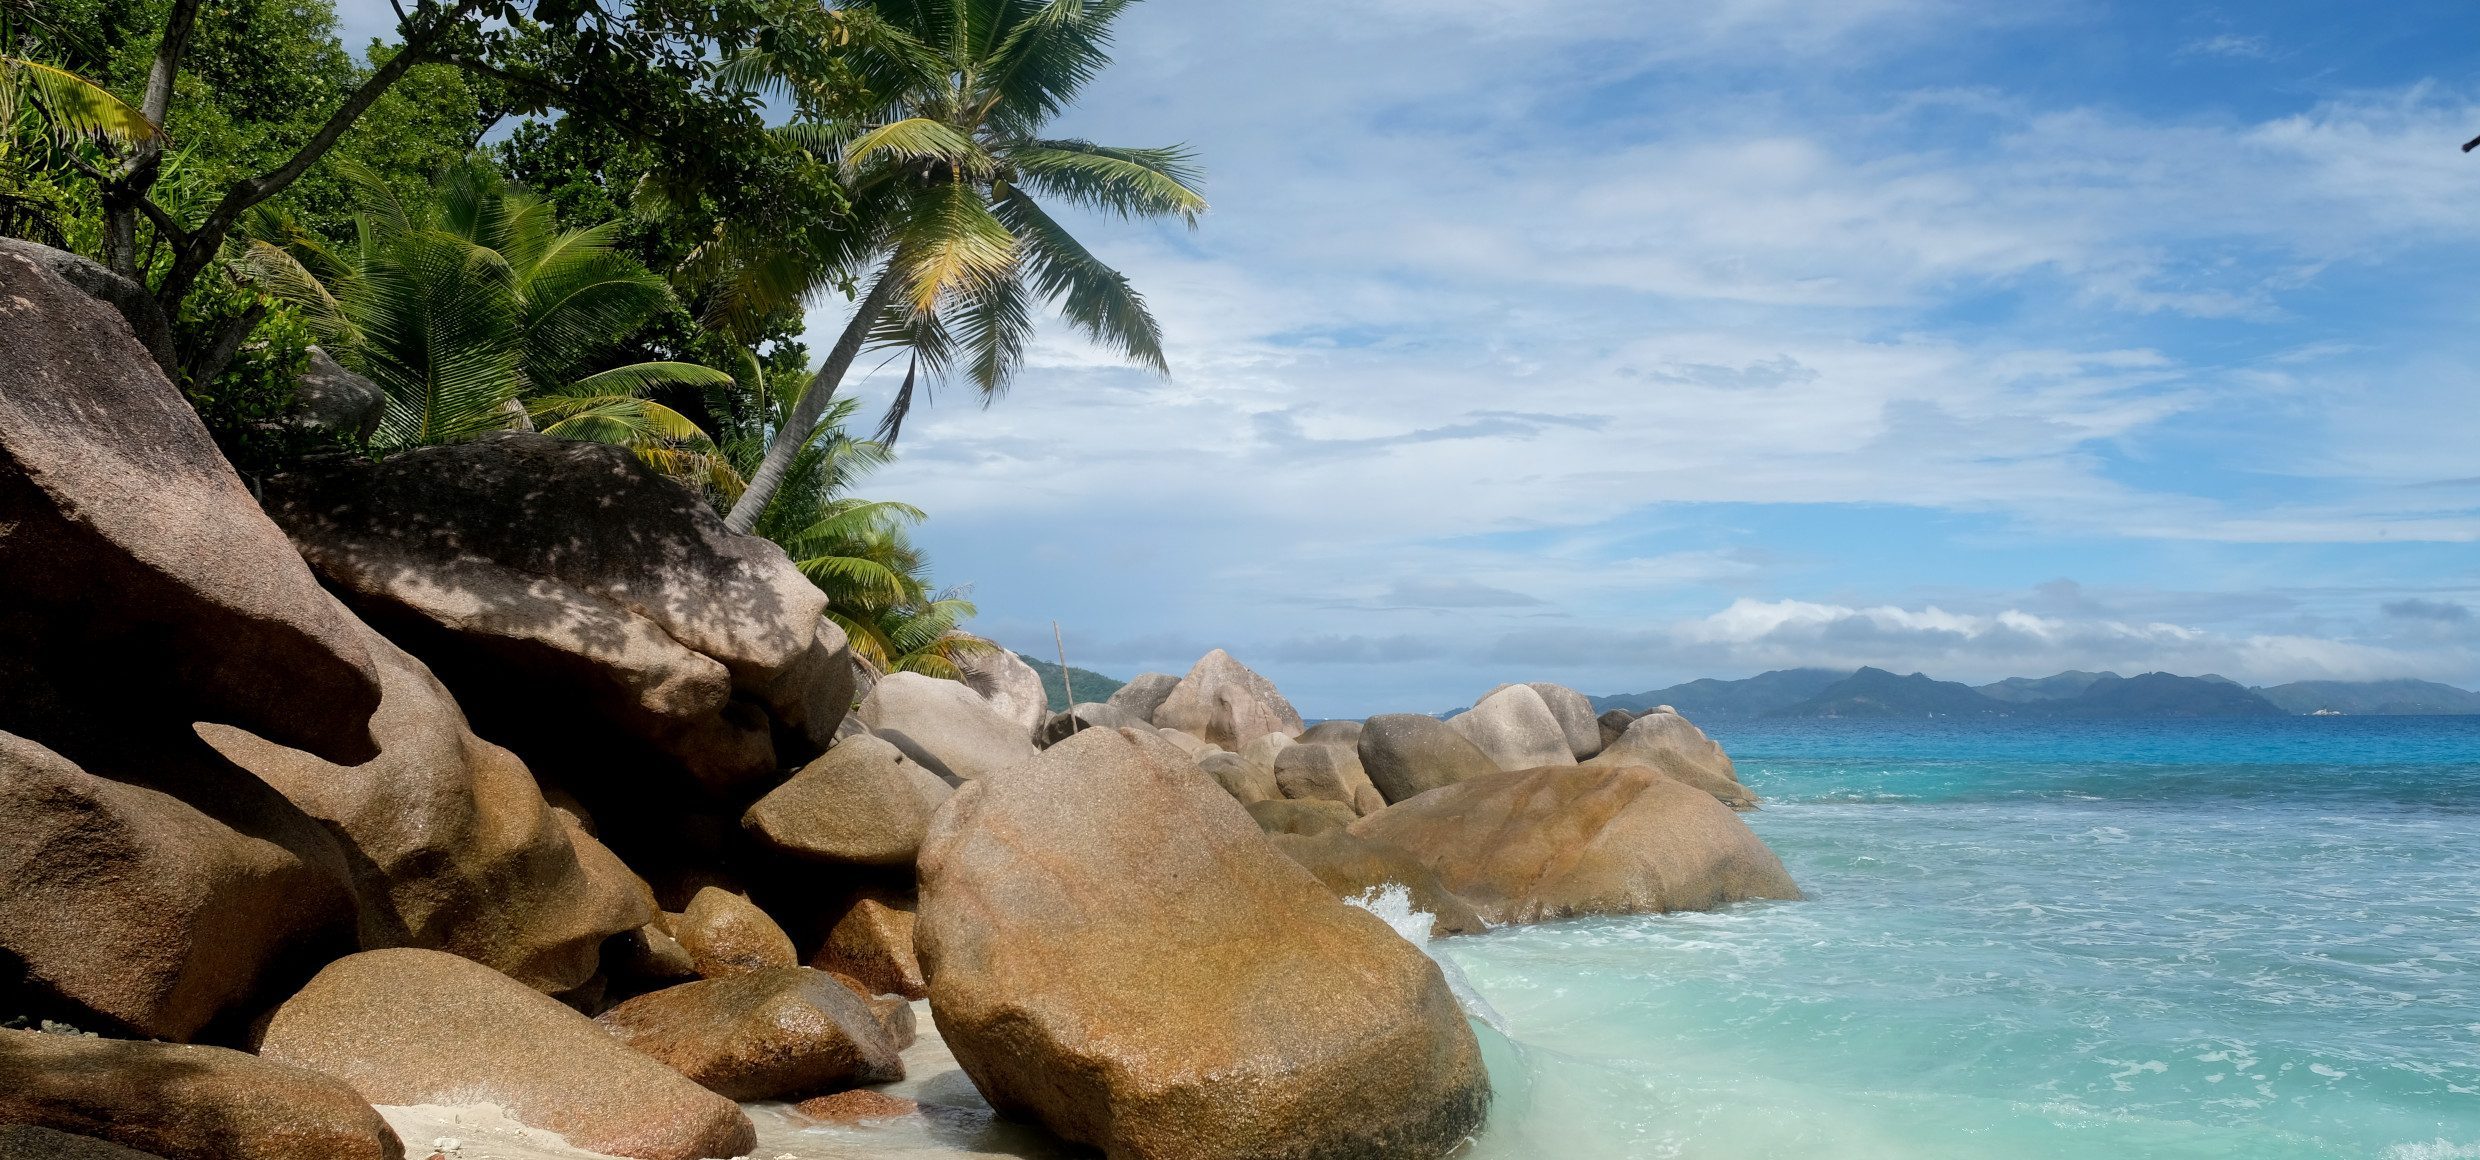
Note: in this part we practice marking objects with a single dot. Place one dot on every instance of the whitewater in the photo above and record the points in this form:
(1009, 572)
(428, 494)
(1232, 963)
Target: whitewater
(2253, 939)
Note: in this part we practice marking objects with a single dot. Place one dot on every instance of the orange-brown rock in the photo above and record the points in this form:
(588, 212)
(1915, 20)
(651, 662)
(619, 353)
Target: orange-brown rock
(873, 943)
(28, 1142)
(1227, 703)
(726, 934)
(1353, 869)
(452, 845)
(1326, 773)
(894, 1012)
(1538, 844)
(1115, 951)
(1300, 815)
(764, 1035)
(425, 1027)
(1408, 754)
(862, 804)
(1670, 743)
(185, 1103)
(856, 1105)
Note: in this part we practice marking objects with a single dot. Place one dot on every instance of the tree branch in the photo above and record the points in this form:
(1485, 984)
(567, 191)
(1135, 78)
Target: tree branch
(219, 354)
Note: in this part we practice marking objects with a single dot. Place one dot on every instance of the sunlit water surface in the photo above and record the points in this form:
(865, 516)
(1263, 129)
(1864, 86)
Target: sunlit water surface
(2252, 939)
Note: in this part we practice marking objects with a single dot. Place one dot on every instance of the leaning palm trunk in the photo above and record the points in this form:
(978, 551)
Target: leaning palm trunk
(797, 427)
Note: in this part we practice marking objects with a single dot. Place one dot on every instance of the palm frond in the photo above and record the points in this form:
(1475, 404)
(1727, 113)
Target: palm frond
(1091, 295)
(950, 244)
(1132, 183)
(76, 106)
(917, 139)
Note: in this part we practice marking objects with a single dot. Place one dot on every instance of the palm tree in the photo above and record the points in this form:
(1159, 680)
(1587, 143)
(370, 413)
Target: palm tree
(68, 104)
(476, 313)
(855, 550)
(949, 238)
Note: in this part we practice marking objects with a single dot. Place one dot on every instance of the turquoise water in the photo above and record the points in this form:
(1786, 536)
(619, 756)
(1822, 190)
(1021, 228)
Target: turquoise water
(2252, 939)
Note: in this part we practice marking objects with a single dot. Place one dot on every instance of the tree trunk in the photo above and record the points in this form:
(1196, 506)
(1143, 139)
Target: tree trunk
(795, 432)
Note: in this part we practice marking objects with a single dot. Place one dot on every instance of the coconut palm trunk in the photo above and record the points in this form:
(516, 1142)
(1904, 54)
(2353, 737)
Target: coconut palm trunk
(785, 445)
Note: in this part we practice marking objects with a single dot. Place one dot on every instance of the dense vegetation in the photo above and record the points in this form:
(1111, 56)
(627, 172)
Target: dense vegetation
(597, 220)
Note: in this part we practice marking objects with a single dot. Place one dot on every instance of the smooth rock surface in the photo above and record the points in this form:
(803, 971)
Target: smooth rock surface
(1353, 868)
(1245, 781)
(726, 934)
(185, 1103)
(765, 1035)
(862, 804)
(1011, 686)
(1327, 772)
(1301, 815)
(411, 1027)
(1227, 703)
(452, 846)
(27, 1142)
(1115, 950)
(1670, 743)
(1407, 754)
(1574, 712)
(1143, 694)
(1563, 841)
(1614, 723)
(873, 943)
(330, 398)
(1084, 715)
(945, 727)
(1515, 728)
(1344, 733)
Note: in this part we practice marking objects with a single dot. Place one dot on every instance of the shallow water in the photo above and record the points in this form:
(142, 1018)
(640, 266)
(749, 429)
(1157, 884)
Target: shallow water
(2252, 939)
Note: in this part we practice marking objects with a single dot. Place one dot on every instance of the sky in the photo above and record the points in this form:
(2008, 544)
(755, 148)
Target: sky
(1624, 342)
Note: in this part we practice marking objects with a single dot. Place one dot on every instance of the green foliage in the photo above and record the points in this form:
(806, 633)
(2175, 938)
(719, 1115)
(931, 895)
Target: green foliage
(475, 312)
(246, 407)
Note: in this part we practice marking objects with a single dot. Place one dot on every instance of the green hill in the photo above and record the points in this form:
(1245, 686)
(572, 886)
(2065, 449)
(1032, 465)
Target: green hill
(1090, 685)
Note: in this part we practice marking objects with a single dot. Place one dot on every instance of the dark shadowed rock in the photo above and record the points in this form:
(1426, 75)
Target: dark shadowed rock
(569, 578)
(131, 301)
(183, 1103)
(1614, 723)
(1540, 844)
(944, 726)
(27, 1142)
(726, 934)
(873, 943)
(1115, 951)
(1143, 694)
(648, 958)
(1354, 869)
(1244, 780)
(1227, 703)
(1670, 743)
(1407, 754)
(155, 916)
(141, 574)
(1085, 715)
(761, 1036)
(1515, 728)
(328, 397)
(1328, 772)
(1011, 686)
(863, 804)
(1574, 712)
(423, 1027)
(451, 845)
(1301, 815)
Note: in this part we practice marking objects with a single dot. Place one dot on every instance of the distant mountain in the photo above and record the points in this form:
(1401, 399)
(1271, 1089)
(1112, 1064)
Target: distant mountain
(1090, 685)
(2162, 695)
(1878, 693)
(2372, 697)
(1755, 696)
(2022, 690)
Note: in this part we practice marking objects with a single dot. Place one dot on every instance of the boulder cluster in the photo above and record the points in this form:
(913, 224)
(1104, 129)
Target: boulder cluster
(502, 773)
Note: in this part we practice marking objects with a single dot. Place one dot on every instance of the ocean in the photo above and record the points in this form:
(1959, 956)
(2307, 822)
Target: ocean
(2126, 940)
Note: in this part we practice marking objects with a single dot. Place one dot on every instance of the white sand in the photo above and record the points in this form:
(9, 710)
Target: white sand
(954, 1121)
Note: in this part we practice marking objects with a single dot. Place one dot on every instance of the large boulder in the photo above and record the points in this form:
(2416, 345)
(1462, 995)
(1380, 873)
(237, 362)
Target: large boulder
(726, 934)
(1344, 733)
(1515, 727)
(945, 726)
(1227, 703)
(872, 943)
(1614, 722)
(1115, 951)
(1082, 716)
(329, 398)
(1327, 772)
(1245, 780)
(1540, 844)
(1408, 754)
(451, 844)
(136, 306)
(423, 1027)
(1301, 815)
(127, 907)
(790, 1032)
(1355, 869)
(1670, 743)
(1574, 712)
(184, 1103)
(563, 583)
(27, 1142)
(1143, 694)
(863, 804)
(141, 575)
(1011, 686)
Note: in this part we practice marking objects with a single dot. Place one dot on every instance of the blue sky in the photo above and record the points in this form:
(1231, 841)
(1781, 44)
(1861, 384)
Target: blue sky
(1622, 342)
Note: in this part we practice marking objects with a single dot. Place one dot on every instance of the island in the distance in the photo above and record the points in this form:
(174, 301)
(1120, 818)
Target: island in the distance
(1874, 692)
